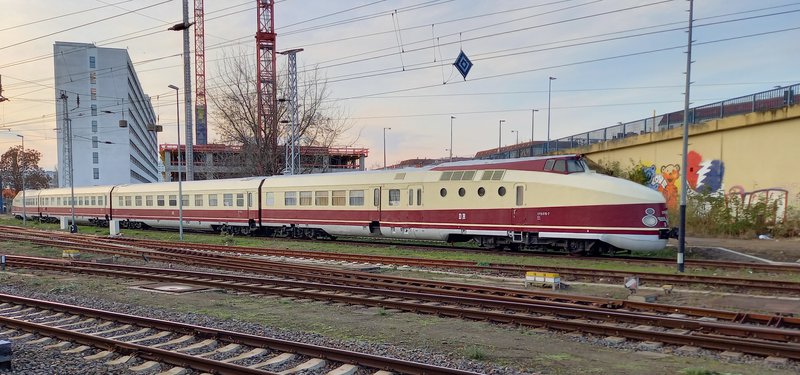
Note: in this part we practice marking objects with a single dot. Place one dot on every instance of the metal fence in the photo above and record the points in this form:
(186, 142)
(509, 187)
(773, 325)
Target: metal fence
(762, 101)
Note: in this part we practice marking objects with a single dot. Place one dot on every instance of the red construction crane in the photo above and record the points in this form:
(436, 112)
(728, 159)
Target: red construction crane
(267, 99)
(200, 108)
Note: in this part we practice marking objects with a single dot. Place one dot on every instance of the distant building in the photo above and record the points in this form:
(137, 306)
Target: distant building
(217, 161)
(109, 113)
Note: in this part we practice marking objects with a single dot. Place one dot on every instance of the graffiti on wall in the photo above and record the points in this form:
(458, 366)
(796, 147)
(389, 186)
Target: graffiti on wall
(702, 176)
(774, 202)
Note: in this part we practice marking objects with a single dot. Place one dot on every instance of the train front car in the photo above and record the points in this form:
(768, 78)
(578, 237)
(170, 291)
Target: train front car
(559, 203)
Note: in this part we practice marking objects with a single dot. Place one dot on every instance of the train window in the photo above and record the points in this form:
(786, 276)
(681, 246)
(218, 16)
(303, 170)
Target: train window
(560, 166)
(185, 200)
(160, 200)
(212, 200)
(321, 198)
(198, 200)
(270, 199)
(461, 192)
(94, 200)
(481, 191)
(173, 200)
(446, 176)
(468, 176)
(240, 199)
(548, 165)
(501, 191)
(305, 198)
(227, 199)
(376, 197)
(498, 175)
(574, 166)
(520, 195)
(58, 201)
(443, 192)
(137, 200)
(120, 201)
(148, 200)
(249, 199)
(419, 197)
(339, 197)
(410, 197)
(457, 175)
(101, 200)
(290, 198)
(487, 175)
(394, 197)
(356, 197)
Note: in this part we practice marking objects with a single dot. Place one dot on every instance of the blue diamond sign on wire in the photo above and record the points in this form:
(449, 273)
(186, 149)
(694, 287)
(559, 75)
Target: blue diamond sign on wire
(463, 65)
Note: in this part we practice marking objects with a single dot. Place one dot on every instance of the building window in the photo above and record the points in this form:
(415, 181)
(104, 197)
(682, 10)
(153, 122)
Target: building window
(95, 158)
(212, 200)
(93, 78)
(96, 173)
(94, 142)
(94, 109)
(93, 92)
(356, 197)
(305, 198)
(227, 200)
(94, 126)
(92, 62)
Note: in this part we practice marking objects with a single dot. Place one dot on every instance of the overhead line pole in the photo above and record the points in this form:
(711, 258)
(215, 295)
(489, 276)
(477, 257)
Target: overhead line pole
(684, 183)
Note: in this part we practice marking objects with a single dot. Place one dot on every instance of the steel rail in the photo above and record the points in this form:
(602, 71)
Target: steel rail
(333, 354)
(471, 308)
(229, 263)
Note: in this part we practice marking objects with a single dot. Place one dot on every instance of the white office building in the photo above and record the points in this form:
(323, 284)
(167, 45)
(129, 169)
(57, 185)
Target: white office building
(109, 115)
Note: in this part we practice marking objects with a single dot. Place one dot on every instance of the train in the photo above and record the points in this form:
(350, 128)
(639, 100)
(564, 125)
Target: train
(552, 202)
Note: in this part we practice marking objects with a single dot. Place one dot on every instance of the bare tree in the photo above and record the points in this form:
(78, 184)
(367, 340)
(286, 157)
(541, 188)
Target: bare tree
(14, 164)
(235, 100)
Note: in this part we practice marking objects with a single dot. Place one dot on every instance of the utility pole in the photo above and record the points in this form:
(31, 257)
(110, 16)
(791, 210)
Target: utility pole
(684, 183)
(68, 176)
(187, 93)
(293, 162)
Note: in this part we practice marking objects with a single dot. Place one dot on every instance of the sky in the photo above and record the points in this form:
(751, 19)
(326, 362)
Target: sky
(388, 64)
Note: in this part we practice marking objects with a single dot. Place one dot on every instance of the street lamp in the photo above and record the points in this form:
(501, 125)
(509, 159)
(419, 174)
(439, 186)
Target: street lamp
(180, 184)
(22, 172)
(516, 131)
(500, 135)
(533, 111)
(451, 137)
(549, 90)
(384, 146)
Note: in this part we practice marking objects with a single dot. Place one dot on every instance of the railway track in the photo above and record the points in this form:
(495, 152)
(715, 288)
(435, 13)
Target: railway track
(92, 243)
(145, 344)
(749, 338)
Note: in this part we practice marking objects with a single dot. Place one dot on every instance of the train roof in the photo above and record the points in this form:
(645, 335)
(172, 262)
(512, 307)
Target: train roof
(245, 182)
(534, 164)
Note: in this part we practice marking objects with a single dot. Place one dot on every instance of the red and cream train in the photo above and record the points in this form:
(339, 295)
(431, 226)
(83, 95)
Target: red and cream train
(530, 202)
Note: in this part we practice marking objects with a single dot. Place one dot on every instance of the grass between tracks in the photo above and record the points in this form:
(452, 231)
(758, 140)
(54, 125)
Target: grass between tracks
(400, 251)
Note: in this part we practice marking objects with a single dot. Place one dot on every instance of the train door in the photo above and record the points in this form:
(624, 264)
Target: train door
(518, 213)
(375, 212)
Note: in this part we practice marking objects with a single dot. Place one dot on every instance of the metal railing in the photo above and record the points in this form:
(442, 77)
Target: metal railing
(771, 99)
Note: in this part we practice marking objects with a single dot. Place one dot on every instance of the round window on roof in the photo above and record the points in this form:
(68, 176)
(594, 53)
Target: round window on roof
(443, 192)
(462, 192)
(501, 191)
(481, 191)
